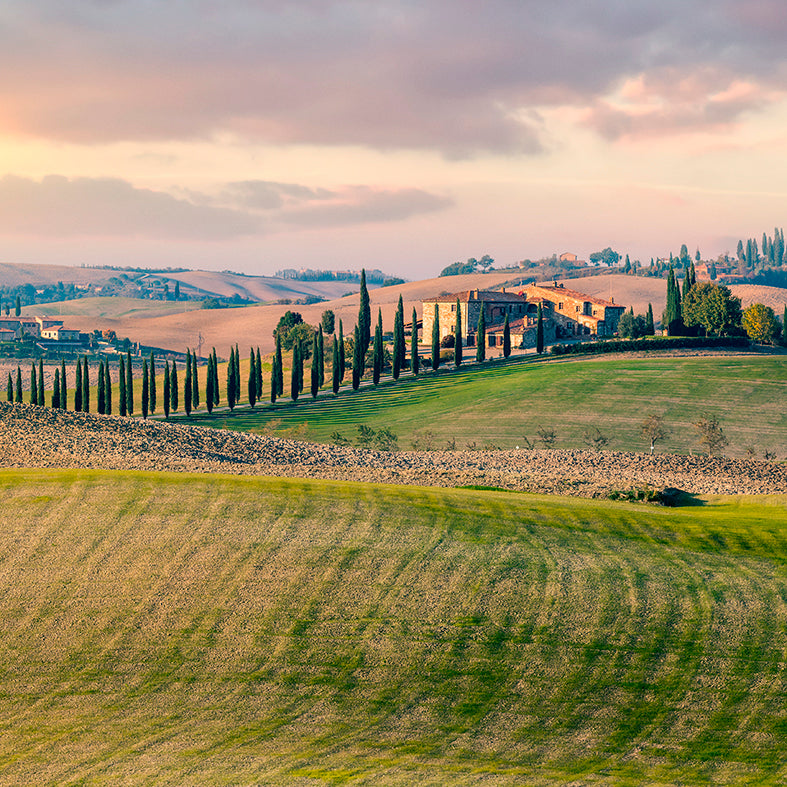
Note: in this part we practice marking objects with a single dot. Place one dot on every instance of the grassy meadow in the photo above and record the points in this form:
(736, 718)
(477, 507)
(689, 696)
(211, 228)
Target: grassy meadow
(499, 405)
(175, 629)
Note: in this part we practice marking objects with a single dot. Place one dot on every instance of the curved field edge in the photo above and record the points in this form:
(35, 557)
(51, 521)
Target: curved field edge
(170, 629)
(502, 404)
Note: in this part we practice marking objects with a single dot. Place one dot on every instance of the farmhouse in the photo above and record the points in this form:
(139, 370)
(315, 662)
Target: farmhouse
(566, 313)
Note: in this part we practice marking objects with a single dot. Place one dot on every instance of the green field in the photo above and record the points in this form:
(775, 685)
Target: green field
(163, 629)
(500, 405)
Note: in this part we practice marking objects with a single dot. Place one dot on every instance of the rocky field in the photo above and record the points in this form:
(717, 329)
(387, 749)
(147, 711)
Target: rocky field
(41, 437)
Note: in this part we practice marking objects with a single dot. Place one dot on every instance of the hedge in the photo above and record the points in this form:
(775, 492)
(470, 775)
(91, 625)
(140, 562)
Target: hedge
(657, 343)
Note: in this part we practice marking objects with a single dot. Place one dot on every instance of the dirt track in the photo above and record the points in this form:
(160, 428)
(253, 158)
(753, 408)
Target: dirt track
(42, 437)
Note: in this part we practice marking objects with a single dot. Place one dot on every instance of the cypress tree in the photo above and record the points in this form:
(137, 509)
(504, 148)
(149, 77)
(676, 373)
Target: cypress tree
(399, 345)
(33, 385)
(415, 364)
(357, 363)
(259, 375)
(100, 391)
(650, 326)
(152, 384)
(342, 359)
(279, 368)
(122, 398)
(194, 382)
(173, 388)
(9, 391)
(480, 336)
(377, 357)
(295, 387)
(41, 382)
(364, 317)
(274, 379)
(336, 373)
(436, 339)
(145, 389)
(236, 376)
(78, 391)
(18, 307)
(18, 392)
(252, 378)
(321, 348)
(85, 386)
(107, 389)
(458, 336)
(167, 389)
(63, 401)
(506, 338)
(231, 380)
(129, 385)
(315, 368)
(56, 389)
(209, 385)
(540, 331)
(215, 385)
(187, 384)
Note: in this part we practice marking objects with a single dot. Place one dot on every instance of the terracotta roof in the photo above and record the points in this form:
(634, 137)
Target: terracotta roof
(513, 325)
(481, 295)
(580, 296)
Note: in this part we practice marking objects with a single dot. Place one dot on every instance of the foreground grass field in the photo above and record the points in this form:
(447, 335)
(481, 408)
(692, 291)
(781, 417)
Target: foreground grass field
(211, 630)
(498, 405)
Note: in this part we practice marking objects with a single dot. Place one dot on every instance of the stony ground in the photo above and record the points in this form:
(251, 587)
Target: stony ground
(41, 437)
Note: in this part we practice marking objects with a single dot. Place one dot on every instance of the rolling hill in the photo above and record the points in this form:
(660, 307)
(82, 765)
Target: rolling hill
(213, 630)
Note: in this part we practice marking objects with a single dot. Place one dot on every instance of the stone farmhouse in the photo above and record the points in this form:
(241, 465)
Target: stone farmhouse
(46, 330)
(566, 314)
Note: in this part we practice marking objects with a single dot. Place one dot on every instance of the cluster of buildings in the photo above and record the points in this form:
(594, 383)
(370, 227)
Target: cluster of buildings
(45, 330)
(566, 314)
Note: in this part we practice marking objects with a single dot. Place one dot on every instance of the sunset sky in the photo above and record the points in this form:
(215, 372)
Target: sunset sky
(257, 135)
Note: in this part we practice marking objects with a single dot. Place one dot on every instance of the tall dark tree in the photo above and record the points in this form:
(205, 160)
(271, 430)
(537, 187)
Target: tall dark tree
(672, 318)
(145, 389)
(328, 321)
(9, 391)
(364, 317)
(301, 361)
(129, 385)
(41, 386)
(458, 336)
(55, 389)
(167, 389)
(335, 370)
(540, 331)
(187, 384)
(377, 349)
(18, 307)
(33, 385)
(295, 387)
(194, 382)
(78, 387)
(18, 391)
(506, 338)
(650, 327)
(122, 398)
(173, 388)
(321, 350)
(85, 386)
(415, 362)
(237, 375)
(399, 344)
(231, 380)
(258, 380)
(315, 367)
(107, 389)
(357, 359)
(480, 336)
(215, 386)
(152, 384)
(274, 378)
(209, 385)
(279, 376)
(63, 401)
(100, 391)
(342, 359)
(252, 386)
(436, 339)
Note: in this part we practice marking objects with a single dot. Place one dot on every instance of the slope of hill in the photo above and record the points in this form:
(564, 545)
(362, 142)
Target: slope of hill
(194, 630)
(114, 308)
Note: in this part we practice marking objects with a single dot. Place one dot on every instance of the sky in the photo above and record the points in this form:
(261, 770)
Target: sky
(255, 135)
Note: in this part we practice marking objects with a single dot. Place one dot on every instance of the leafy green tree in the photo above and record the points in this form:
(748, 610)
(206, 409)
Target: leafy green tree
(436, 339)
(41, 382)
(186, 383)
(605, 257)
(152, 383)
(328, 321)
(540, 331)
(415, 361)
(460, 268)
(130, 385)
(145, 389)
(295, 387)
(714, 308)
(85, 386)
(252, 384)
(506, 338)
(167, 389)
(173, 388)
(760, 323)
(63, 401)
(480, 337)
(33, 385)
(357, 359)
(711, 433)
(377, 362)
(122, 398)
(336, 376)
(55, 389)
(18, 392)
(458, 336)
